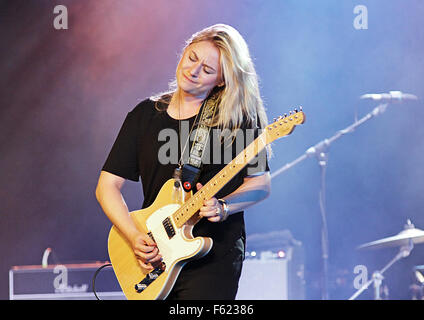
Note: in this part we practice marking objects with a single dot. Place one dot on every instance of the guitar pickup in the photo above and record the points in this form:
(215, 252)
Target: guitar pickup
(169, 228)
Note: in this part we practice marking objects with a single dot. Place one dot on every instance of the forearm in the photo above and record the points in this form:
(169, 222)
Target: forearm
(253, 190)
(113, 204)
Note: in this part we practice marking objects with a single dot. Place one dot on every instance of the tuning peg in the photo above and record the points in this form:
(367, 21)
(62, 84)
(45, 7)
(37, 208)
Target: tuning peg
(285, 115)
(295, 110)
(300, 108)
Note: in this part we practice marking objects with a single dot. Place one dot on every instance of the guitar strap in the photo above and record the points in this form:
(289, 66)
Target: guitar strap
(191, 170)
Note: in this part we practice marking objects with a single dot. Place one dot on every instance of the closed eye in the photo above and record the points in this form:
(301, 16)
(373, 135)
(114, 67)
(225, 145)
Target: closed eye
(207, 69)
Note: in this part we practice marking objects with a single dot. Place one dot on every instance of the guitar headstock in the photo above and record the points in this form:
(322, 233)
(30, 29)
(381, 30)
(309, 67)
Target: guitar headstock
(284, 125)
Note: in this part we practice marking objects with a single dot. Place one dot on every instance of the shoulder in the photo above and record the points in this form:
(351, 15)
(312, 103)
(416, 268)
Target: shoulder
(145, 106)
(149, 107)
(135, 117)
(145, 110)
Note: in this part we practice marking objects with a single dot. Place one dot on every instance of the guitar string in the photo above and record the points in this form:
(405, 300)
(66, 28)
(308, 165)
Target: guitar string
(225, 174)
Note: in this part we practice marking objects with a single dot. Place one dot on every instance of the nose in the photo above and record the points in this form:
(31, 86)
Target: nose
(195, 69)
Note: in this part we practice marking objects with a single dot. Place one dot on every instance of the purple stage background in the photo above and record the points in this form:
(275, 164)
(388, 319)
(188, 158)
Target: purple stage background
(65, 93)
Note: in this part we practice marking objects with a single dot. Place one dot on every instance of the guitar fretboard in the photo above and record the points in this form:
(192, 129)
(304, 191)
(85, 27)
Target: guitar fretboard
(191, 206)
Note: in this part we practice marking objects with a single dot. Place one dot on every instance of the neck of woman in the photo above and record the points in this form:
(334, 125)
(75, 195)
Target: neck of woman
(183, 105)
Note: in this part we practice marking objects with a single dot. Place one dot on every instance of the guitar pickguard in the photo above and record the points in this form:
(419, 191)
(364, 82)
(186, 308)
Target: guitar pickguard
(172, 248)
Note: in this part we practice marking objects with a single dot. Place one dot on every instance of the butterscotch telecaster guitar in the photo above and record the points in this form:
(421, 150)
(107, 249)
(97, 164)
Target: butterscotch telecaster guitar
(169, 221)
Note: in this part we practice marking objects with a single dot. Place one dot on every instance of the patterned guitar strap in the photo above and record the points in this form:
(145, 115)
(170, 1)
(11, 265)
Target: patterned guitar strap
(191, 170)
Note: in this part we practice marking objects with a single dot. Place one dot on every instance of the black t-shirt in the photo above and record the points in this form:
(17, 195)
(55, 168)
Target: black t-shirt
(148, 147)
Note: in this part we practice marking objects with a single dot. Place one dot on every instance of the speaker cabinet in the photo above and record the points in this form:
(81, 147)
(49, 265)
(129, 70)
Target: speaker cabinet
(275, 274)
(63, 282)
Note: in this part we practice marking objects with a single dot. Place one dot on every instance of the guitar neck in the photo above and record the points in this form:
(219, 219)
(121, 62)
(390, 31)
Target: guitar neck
(191, 206)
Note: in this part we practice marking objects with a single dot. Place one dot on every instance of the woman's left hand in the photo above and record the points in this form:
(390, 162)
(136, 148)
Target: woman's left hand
(212, 209)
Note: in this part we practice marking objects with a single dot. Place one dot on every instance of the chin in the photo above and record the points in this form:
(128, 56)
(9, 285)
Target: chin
(190, 88)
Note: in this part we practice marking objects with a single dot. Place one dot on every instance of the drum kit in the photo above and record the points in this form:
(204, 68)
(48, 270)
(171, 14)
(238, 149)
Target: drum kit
(404, 240)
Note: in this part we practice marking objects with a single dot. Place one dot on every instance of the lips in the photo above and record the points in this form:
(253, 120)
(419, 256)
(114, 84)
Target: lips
(188, 79)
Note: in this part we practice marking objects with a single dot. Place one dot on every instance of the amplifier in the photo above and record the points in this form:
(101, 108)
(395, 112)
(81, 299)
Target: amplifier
(273, 268)
(63, 282)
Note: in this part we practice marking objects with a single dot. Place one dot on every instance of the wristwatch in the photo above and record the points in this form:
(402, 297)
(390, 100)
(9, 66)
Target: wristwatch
(225, 209)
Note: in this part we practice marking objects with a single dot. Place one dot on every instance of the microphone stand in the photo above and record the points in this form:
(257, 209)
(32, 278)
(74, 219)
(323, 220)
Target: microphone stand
(320, 151)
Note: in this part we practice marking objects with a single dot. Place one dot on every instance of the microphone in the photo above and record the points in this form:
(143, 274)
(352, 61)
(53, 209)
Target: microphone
(392, 96)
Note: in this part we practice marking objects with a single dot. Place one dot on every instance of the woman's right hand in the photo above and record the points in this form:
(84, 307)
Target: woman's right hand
(146, 250)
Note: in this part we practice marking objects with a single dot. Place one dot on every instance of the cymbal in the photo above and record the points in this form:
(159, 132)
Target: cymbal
(401, 239)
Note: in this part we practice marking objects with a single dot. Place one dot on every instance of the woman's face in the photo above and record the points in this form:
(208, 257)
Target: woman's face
(199, 70)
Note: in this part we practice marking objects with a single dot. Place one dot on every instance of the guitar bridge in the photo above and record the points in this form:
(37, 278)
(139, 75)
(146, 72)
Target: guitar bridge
(151, 236)
(149, 278)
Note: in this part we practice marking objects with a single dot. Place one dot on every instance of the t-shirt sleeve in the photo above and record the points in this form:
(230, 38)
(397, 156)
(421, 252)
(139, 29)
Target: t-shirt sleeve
(123, 157)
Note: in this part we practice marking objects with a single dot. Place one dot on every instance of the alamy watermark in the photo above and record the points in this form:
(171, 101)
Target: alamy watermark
(222, 146)
(360, 22)
(61, 20)
(362, 276)
(61, 283)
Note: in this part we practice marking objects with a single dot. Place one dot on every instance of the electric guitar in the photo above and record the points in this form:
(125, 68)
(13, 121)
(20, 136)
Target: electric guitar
(169, 221)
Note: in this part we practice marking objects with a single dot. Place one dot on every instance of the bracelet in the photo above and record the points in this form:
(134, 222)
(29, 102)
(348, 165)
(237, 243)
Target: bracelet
(225, 209)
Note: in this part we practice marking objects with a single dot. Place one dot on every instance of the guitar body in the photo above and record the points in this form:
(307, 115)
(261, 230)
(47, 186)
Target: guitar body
(176, 250)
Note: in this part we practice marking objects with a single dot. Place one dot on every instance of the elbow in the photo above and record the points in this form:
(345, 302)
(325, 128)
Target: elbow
(267, 193)
(259, 187)
(262, 193)
(267, 186)
(98, 192)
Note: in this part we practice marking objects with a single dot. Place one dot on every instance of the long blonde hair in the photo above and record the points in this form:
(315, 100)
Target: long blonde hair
(240, 97)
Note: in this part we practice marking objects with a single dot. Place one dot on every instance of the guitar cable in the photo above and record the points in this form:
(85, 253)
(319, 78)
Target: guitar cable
(94, 278)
